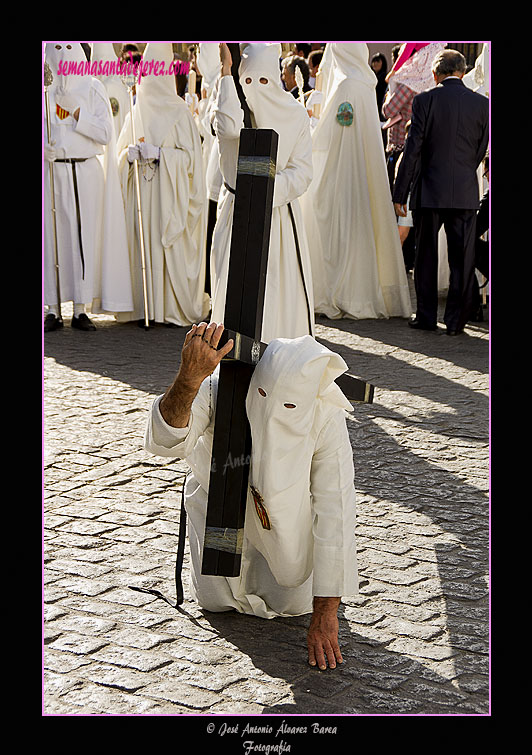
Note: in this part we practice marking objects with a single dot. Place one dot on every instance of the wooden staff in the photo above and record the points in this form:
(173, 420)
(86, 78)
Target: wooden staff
(48, 80)
(192, 88)
(317, 107)
(300, 85)
(129, 82)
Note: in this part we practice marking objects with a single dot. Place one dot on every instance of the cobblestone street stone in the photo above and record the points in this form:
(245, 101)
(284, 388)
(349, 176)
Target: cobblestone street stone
(416, 639)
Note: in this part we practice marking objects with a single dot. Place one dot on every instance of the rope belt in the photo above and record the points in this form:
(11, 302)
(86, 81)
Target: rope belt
(300, 263)
(73, 161)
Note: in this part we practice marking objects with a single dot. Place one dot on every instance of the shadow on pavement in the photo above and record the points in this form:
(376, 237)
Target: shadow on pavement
(373, 678)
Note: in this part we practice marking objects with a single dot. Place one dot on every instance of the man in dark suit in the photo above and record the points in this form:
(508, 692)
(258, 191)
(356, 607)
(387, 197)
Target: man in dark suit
(447, 141)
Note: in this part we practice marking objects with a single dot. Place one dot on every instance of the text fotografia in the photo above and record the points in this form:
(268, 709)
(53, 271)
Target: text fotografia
(119, 67)
(250, 746)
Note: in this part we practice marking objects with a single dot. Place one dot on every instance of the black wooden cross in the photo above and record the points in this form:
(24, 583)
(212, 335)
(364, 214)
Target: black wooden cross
(246, 283)
(248, 260)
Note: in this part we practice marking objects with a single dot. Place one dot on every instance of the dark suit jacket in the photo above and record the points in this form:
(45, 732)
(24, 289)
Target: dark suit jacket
(448, 139)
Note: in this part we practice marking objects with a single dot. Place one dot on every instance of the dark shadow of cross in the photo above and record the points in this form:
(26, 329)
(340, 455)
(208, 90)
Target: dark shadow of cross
(248, 262)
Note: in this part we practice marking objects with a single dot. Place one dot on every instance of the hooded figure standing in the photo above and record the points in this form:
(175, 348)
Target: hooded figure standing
(288, 305)
(172, 197)
(208, 63)
(91, 232)
(104, 53)
(301, 481)
(356, 254)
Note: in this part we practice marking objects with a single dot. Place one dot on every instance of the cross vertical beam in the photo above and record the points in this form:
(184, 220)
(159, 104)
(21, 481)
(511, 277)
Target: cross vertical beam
(246, 284)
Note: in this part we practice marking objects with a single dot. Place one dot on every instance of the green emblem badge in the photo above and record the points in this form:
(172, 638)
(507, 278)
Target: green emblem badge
(344, 116)
(115, 107)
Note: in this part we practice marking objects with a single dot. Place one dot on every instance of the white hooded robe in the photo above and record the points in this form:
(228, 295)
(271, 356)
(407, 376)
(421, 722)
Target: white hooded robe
(356, 256)
(172, 197)
(288, 304)
(208, 63)
(104, 53)
(302, 465)
(102, 279)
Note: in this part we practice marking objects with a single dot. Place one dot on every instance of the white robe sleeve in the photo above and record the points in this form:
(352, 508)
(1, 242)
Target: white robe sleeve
(162, 439)
(95, 121)
(333, 505)
(182, 186)
(293, 181)
(227, 114)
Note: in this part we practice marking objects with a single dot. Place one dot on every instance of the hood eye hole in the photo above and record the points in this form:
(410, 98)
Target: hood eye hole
(248, 80)
(262, 392)
(69, 47)
(290, 406)
(58, 47)
(263, 80)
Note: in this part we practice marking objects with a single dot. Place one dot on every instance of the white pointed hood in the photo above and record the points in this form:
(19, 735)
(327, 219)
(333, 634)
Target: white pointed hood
(57, 53)
(349, 61)
(208, 62)
(272, 107)
(104, 52)
(291, 395)
(158, 106)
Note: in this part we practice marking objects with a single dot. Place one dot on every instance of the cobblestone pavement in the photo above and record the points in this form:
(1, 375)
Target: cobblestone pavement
(416, 639)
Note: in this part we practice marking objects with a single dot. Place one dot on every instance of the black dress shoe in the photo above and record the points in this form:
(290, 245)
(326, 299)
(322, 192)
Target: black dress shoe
(82, 322)
(454, 332)
(52, 322)
(419, 325)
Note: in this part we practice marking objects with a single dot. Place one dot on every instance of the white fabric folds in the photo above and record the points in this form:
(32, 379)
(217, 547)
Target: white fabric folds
(95, 273)
(286, 313)
(172, 198)
(301, 465)
(356, 256)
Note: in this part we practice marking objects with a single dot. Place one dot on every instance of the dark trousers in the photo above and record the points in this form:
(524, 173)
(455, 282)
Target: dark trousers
(460, 227)
(392, 156)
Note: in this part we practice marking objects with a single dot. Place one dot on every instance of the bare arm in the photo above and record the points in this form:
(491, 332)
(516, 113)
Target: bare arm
(199, 359)
(225, 59)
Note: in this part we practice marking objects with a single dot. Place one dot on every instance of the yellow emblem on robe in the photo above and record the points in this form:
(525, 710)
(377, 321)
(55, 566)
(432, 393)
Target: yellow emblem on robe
(61, 112)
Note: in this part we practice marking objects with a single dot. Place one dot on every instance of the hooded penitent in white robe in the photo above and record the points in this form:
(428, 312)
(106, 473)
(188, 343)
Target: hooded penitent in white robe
(288, 288)
(172, 196)
(301, 465)
(208, 63)
(104, 53)
(101, 279)
(357, 261)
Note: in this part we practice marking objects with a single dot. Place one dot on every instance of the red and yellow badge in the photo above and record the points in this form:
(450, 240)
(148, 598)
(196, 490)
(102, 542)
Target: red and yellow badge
(259, 507)
(61, 112)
